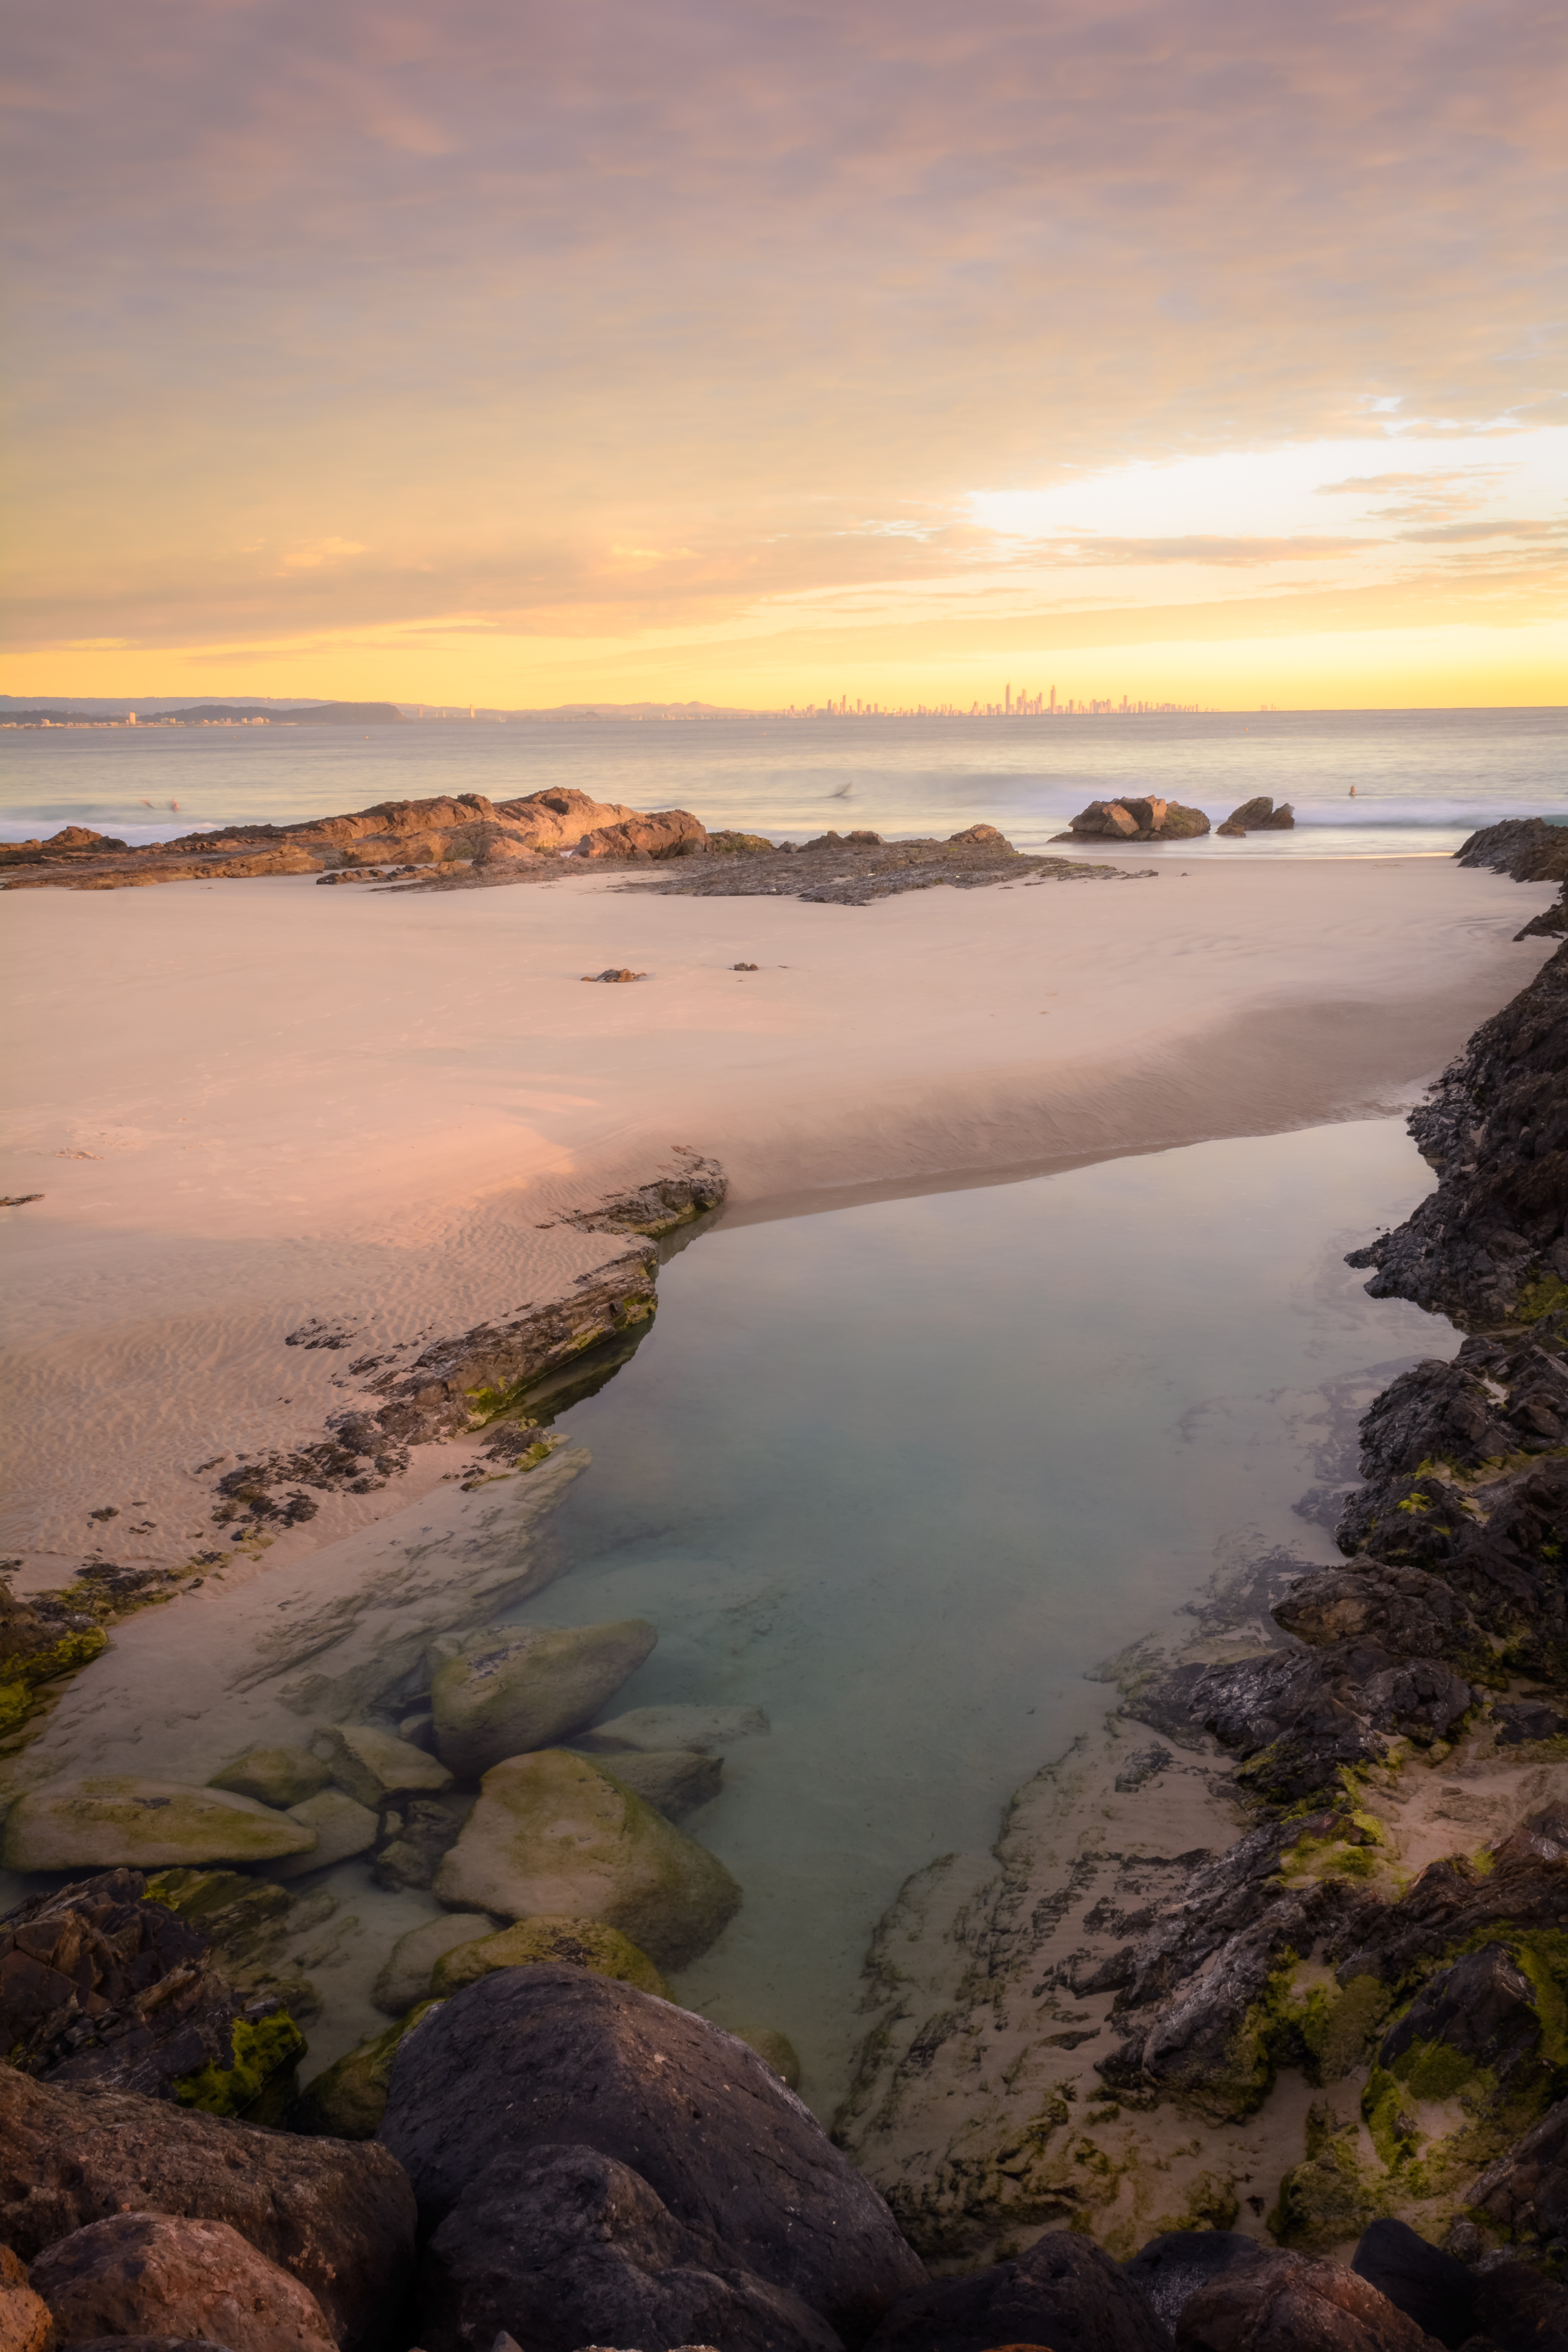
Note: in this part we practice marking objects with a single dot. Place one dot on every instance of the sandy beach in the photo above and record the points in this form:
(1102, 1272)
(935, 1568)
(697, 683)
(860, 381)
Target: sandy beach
(256, 1105)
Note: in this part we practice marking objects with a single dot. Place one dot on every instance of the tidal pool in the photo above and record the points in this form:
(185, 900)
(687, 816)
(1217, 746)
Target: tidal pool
(902, 1474)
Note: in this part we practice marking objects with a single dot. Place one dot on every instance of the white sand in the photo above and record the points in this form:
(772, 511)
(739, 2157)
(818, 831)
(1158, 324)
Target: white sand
(252, 1103)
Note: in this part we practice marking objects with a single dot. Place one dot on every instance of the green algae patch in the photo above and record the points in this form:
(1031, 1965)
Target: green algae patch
(1334, 2195)
(259, 2052)
(349, 2100)
(1541, 1297)
(571, 1943)
(1337, 2027)
(23, 1675)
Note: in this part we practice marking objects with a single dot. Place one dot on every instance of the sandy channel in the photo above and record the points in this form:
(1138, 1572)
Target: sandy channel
(256, 1105)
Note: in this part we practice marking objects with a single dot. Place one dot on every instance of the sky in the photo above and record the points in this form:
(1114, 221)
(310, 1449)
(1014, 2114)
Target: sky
(763, 351)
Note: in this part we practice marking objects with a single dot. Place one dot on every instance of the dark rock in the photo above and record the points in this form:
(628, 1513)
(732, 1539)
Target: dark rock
(1170, 2270)
(1525, 2192)
(534, 2057)
(1483, 2007)
(1526, 847)
(1520, 1720)
(1483, 1246)
(148, 2343)
(163, 2274)
(1517, 2310)
(1454, 1902)
(1420, 2280)
(1407, 1612)
(98, 1986)
(1261, 815)
(1066, 2293)
(1288, 2303)
(415, 1833)
(564, 2247)
(338, 2219)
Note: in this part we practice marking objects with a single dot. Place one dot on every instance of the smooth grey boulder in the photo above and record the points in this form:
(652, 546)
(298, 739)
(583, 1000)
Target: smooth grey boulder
(113, 1818)
(538, 2057)
(1065, 2293)
(273, 1776)
(553, 1835)
(369, 1765)
(675, 1781)
(341, 1827)
(405, 1977)
(529, 1686)
(700, 1729)
(564, 2247)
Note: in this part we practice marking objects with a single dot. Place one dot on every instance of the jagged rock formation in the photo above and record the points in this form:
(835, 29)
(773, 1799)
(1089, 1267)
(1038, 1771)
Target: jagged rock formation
(857, 869)
(1133, 818)
(1259, 816)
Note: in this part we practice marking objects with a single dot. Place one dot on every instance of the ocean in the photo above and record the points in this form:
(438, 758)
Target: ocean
(1421, 778)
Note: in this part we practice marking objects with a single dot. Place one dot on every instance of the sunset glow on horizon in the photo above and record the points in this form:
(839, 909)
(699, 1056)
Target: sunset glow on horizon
(753, 355)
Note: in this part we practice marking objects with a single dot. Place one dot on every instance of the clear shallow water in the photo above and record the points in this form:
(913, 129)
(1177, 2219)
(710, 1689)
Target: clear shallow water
(1423, 778)
(902, 1474)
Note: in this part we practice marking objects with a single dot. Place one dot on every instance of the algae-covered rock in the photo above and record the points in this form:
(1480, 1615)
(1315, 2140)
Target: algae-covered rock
(524, 1689)
(569, 1943)
(553, 1834)
(774, 2049)
(273, 1776)
(369, 1764)
(674, 1782)
(260, 2050)
(405, 1977)
(349, 2100)
(113, 1818)
(342, 1829)
(649, 1729)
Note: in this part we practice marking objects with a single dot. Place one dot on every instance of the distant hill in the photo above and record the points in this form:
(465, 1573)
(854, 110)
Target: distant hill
(98, 713)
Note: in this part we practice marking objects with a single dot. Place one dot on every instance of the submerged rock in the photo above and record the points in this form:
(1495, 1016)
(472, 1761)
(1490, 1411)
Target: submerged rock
(405, 1977)
(649, 1729)
(348, 2099)
(566, 2247)
(158, 2275)
(674, 1783)
(341, 1827)
(371, 1765)
(566, 1943)
(532, 2059)
(551, 1834)
(339, 2219)
(509, 1692)
(108, 1820)
(273, 1776)
(774, 2049)
(413, 1834)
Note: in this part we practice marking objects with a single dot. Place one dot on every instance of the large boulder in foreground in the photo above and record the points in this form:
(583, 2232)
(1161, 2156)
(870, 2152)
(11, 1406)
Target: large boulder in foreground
(566, 2247)
(1285, 2302)
(158, 2275)
(552, 1835)
(25, 2322)
(537, 2058)
(115, 1818)
(338, 2219)
(1065, 2293)
(529, 1686)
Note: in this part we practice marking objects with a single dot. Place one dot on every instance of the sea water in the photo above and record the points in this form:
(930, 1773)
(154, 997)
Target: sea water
(902, 1474)
(1422, 778)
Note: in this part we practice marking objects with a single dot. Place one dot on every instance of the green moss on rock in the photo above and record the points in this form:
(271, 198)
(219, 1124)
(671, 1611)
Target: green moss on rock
(573, 1942)
(260, 2051)
(349, 2100)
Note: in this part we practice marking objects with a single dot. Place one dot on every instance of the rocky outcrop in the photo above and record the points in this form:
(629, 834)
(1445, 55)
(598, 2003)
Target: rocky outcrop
(100, 1985)
(552, 1835)
(534, 2061)
(1287, 2302)
(1259, 815)
(857, 869)
(1132, 817)
(516, 1688)
(563, 2246)
(339, 2220)
(663, 832)
(1064, 2293)
(158, 2275)
(1525, 847)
